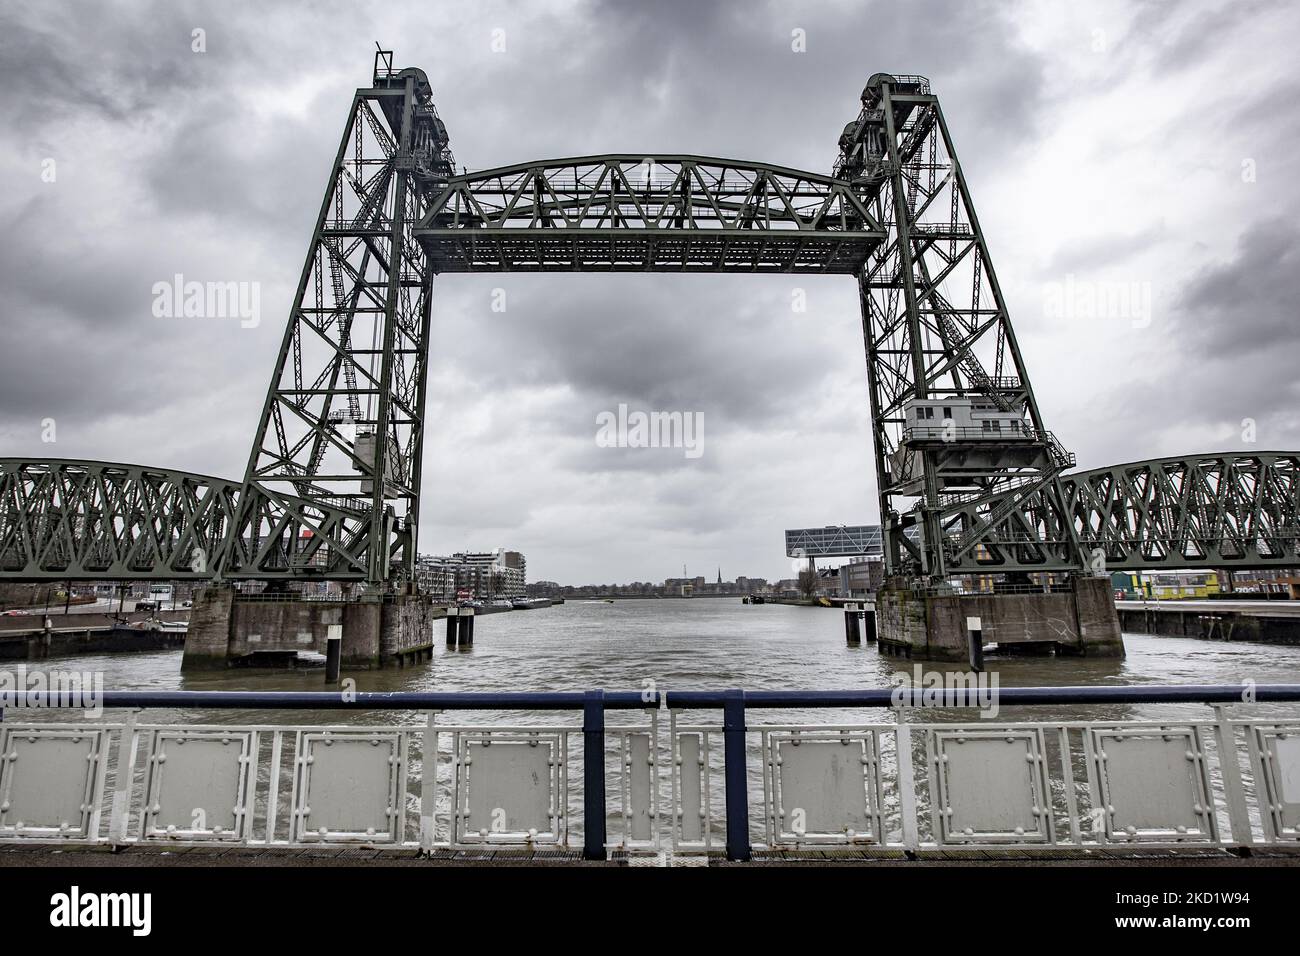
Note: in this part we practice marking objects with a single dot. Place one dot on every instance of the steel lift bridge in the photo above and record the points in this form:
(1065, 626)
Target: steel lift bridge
(969, 477)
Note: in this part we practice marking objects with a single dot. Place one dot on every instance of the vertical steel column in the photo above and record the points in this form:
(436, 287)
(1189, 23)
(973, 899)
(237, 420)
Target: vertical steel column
(736, 778)
(593, 775)
(377, 557)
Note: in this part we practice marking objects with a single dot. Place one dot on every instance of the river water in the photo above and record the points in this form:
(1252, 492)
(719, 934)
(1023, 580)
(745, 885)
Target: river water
(700, 644)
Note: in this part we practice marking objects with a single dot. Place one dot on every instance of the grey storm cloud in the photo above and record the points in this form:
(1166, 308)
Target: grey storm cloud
(1247, 305)
(212, 165)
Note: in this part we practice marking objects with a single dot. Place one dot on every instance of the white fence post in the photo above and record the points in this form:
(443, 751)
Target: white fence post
(906, 781)
(119, 821)
(1225, 736)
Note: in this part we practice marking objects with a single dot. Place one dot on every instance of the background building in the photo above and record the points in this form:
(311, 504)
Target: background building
(485, 574)
(861, 578)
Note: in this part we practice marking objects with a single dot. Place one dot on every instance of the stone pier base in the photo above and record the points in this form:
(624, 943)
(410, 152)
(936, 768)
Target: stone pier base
(232, 630)
(1081, 621)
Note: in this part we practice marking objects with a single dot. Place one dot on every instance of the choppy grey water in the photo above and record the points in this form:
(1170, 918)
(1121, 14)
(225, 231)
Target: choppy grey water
(700, 644)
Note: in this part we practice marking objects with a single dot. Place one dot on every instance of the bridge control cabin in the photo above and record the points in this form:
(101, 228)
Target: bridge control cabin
(965, 419)
(969, 438)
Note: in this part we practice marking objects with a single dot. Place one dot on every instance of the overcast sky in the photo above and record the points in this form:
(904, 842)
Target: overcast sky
(1148, 146)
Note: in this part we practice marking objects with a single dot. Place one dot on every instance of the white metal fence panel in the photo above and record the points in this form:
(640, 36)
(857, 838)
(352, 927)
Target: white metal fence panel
(690, 821)
(640, 777)
(1276, 752)
(347, 787)
(822, 787)
(51, 780)
(1153, 784)
(511, 788)
(198, 785)
(989, 787)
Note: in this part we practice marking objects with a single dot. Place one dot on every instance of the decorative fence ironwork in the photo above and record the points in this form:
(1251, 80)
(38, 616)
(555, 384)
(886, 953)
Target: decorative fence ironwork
(1227, 777)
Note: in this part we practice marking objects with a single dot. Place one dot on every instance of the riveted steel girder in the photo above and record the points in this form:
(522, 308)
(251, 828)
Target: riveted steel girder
(1218, 510)
(628, 213)
(68, 519)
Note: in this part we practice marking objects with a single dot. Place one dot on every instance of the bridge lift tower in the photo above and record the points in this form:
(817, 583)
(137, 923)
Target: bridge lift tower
(342, 427)
(953, 413)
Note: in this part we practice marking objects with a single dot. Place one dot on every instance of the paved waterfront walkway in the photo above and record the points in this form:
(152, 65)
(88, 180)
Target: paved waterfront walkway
(155, 856)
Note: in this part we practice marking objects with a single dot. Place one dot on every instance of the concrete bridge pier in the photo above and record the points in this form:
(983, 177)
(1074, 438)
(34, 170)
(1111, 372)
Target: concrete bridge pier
(229, 629)
(1080, 621)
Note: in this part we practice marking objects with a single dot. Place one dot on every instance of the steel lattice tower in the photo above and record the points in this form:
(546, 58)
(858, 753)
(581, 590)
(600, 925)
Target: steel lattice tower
(938, 333)
(342, 426)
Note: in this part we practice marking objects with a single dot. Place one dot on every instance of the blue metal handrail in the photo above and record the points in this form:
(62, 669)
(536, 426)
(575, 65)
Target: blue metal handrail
(676, 699)
(961, 697)
(362, 700)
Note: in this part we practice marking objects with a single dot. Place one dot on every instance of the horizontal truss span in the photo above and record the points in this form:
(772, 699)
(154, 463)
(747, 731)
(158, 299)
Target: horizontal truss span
(84, 520)
(1220, 510)
(647, 214)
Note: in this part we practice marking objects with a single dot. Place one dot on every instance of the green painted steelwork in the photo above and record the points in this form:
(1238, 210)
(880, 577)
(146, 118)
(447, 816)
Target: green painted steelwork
(627, 213)
(332, 485)
(1222, 510)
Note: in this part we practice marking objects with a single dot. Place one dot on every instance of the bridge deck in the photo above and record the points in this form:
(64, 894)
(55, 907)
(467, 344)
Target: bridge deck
(646, 250)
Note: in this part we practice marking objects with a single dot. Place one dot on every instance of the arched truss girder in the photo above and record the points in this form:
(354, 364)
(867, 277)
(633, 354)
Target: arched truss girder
(1218, 510)
(71, 519)
(635, 213)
